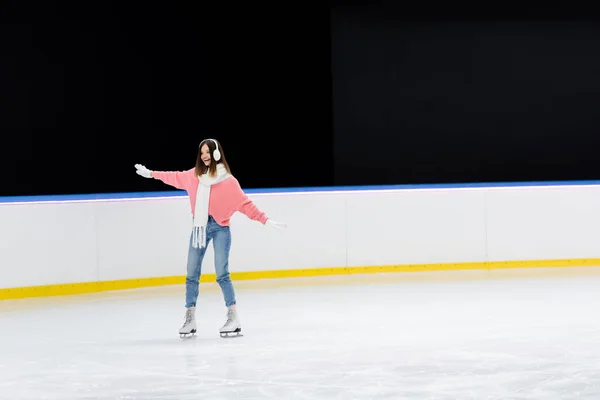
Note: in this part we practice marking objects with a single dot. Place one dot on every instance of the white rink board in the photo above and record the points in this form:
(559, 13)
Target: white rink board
(543, 223)
(416, 227)
(44, 244)
(51, 243)
(145, 238)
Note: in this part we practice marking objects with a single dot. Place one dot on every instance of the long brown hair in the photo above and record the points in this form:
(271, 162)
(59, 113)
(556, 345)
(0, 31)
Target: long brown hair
(212, 168)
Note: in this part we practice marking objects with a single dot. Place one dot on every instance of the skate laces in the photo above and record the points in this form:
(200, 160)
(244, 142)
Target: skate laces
(188, 316)
(230, 316)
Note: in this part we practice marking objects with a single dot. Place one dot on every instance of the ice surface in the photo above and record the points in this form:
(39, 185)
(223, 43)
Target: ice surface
(468, 335)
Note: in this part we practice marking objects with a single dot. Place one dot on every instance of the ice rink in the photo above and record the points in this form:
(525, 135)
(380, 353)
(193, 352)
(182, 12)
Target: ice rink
(520, 334)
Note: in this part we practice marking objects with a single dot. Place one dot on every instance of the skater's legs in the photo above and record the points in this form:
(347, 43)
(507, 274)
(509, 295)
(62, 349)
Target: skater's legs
(222, 244)
(194, 267)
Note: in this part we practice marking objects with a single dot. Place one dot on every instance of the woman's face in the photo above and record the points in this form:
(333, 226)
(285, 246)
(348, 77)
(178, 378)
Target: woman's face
(205, 155)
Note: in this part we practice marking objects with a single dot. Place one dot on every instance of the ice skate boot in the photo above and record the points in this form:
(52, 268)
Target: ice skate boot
(189, 326)
(232, 327)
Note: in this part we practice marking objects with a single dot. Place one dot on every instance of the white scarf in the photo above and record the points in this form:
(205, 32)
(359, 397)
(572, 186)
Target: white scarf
(202, 199)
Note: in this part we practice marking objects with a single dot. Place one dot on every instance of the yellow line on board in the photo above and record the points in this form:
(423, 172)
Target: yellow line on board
(93, 287)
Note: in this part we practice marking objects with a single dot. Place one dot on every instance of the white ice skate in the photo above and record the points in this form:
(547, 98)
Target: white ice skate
(232, 327)
(189, 326)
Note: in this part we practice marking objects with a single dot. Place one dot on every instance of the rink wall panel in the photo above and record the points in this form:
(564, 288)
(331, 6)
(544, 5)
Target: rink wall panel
(549, 223)
(85, 244)
(415, 227)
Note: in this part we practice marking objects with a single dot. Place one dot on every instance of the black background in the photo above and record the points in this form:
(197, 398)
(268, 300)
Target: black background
(507, 95)
(340, 94)
(88, 89)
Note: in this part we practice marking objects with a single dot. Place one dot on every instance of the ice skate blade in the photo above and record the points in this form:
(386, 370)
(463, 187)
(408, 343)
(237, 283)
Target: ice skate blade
(186, 335)
(232, 334)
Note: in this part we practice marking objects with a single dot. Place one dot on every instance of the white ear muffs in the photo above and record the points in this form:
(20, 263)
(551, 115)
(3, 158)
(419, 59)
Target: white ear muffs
(216, 154)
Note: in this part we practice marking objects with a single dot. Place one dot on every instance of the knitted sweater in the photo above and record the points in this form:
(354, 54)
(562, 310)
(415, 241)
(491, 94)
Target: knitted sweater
(226, 197)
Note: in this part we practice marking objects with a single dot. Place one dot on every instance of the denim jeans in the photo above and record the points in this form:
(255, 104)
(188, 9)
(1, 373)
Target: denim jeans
(221, 238)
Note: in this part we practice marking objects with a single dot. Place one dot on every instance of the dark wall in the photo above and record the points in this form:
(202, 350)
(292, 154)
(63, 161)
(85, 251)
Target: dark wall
(423, 100)
(88, 89)
(348, 94)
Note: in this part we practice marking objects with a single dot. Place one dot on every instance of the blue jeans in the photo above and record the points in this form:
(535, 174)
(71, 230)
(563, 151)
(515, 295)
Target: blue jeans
(221, 238)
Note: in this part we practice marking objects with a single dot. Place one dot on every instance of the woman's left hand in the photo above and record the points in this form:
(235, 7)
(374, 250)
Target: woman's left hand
(276, 224)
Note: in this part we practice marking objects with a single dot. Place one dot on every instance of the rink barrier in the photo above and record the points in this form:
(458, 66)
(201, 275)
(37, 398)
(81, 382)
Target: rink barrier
(127, 284)
(91, 241)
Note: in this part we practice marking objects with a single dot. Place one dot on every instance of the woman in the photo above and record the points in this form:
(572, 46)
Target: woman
(215, 195)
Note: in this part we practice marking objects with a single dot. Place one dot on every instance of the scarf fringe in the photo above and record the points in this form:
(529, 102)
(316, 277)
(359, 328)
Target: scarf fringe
(199, 237)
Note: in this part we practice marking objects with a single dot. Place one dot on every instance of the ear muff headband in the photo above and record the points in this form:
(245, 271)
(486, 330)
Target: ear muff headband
(216, 155)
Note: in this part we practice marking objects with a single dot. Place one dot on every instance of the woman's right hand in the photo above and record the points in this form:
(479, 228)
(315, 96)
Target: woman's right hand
(143, 171)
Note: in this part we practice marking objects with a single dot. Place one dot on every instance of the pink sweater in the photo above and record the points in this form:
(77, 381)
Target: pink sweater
(226, 197)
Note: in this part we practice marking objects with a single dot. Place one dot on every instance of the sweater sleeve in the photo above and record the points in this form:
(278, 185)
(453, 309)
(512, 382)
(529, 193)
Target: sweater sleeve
(247, 206)
(177, 179)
